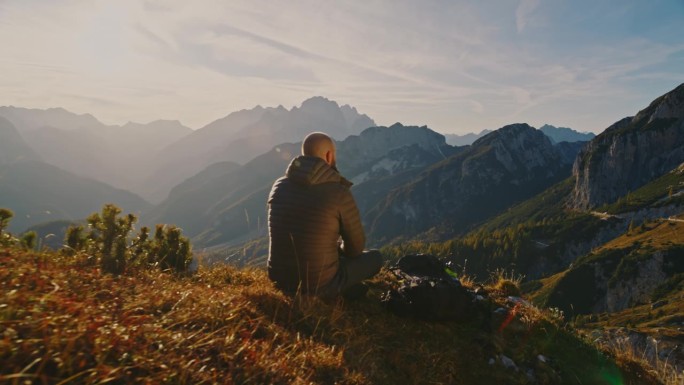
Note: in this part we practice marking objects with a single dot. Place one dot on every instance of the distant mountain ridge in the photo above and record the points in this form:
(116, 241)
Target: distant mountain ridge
(466, 139)
(556, 134)
(244, 135)
(564, 134)
(162, 153)
(34, 118)
(38, 192)
(80, 144)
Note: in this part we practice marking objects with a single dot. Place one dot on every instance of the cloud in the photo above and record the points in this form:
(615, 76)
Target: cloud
(448, 65)
(523, 13)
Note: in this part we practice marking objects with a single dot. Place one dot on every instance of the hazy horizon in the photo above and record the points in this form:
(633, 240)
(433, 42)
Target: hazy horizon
(456, 68)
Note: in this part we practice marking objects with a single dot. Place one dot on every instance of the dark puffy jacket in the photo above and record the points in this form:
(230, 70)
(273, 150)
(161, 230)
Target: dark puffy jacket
(308, 210)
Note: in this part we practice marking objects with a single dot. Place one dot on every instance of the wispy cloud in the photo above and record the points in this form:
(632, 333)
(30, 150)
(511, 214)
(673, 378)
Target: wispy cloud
(456, 66)
(524, 12)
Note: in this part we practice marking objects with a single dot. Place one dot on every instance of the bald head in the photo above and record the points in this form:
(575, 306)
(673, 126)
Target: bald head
(321, 146)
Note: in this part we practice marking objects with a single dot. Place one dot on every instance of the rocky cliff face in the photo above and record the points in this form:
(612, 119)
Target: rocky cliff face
(499, 169)
(631, 152)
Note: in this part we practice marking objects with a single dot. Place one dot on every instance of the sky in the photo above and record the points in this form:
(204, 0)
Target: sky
(456, 66)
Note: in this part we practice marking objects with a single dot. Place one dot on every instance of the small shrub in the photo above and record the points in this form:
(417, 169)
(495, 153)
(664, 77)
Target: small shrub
(109, 232)
(507, 284)
(109, 238)
(170, 249)
(75, 239)
(5, 217)
(28, 240)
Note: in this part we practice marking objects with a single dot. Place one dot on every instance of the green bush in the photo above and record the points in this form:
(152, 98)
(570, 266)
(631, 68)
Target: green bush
(109, 238)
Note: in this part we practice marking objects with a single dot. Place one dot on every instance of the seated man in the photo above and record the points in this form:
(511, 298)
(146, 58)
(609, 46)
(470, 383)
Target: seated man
(308, 210)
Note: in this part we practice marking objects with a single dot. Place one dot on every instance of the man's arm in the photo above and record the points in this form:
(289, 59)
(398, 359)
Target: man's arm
(351, 228)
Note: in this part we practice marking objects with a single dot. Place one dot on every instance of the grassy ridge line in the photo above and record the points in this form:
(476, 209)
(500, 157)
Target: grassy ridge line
(62, 319)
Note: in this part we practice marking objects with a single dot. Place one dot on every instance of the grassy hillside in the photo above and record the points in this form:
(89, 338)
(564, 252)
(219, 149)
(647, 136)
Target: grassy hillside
(63, 320)
(655, 249)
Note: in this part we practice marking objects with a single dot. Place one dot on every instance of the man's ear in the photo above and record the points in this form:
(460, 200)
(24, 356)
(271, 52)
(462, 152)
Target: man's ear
(328, 157)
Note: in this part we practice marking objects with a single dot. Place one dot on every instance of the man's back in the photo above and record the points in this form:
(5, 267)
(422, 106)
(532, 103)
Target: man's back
(309, 209)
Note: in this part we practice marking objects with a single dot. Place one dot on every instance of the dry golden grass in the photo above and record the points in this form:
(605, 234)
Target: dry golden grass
(656, 234)
(506, 284)
(63, 321)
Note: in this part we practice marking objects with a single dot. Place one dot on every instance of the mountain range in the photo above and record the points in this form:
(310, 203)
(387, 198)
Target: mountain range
(244, 135)
(150, 159)
(116, 155)
(555, 134)
(226, 202)
(172, 165)
(39, 192)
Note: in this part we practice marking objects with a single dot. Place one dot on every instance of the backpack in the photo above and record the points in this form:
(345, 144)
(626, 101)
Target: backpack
(428, 290)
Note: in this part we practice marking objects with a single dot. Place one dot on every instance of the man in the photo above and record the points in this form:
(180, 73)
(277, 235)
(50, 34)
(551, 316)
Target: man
(309, 209)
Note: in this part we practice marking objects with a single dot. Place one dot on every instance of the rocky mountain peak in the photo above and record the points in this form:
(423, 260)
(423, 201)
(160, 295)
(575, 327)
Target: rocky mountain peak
(318, 104)
(373, 142)
(518, 145)
(668, 106)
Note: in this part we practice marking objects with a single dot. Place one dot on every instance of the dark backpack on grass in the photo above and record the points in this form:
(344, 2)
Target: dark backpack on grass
(428, 290)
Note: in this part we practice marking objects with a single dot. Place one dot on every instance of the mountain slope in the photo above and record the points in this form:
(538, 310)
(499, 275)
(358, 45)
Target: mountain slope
(498, 170)
(13, 148)
(631, 152)
(38, 192)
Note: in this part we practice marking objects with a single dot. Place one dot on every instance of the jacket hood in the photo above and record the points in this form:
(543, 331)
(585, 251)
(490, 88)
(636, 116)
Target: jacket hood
(310, 170)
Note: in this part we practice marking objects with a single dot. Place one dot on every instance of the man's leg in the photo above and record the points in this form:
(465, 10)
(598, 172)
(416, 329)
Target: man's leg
(355, 270)
(350, 273)
(360, 268)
